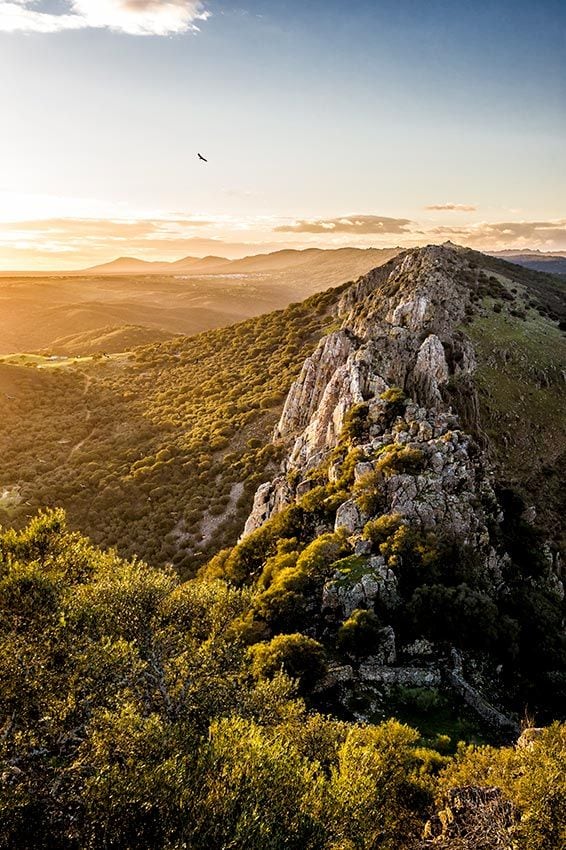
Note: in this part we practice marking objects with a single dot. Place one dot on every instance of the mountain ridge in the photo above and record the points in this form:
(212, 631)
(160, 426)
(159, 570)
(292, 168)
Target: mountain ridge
(274, 260)
(387, 528)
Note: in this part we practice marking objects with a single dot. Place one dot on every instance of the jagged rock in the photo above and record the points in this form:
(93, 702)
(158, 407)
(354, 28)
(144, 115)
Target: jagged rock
(340, 598)
(269, 499)
(348, 516)
(362, 547)
(431, 370)
(337, 674)
(419, 647)
(361, 470)
(306, 393)
(411, 677)
(386, 651)
(398, 323)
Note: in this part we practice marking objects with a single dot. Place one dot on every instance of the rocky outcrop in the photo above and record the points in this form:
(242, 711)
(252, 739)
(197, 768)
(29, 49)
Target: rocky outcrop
(383, 422)
(400, 328)
(377, 585)
(318, 372)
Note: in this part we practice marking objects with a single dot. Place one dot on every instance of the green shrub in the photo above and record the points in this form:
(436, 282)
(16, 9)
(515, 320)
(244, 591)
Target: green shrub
(398, 459)
(301, 657)
(380, 529)
(355, 423)
(359, 634)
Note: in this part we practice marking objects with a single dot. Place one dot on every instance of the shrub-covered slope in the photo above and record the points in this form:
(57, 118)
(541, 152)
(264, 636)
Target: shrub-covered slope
(158, 452)
(133, 716)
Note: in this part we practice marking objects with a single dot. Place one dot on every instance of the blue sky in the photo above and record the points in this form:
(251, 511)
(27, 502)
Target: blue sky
(324, 123)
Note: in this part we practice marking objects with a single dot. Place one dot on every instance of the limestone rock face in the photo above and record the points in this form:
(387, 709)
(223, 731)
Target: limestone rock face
(348, 516)
(376, 454)
(306, 393)
(269, 499)
(400, 328)
(431, 369)
(378, 584)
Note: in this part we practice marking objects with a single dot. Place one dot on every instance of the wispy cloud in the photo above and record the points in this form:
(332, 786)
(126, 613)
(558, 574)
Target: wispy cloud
(134, 17)
(358, 225)
(539, 234)
(452, 207)
(118, 229)
(77, 241)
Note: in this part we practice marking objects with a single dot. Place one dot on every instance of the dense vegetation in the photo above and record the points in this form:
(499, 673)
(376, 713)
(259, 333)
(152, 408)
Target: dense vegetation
(443, 593)
(157, 453)
(134, 716)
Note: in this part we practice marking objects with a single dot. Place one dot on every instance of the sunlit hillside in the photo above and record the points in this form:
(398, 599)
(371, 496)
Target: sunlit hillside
(158, 451)
(114, 310)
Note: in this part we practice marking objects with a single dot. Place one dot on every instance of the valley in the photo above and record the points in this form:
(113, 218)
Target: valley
(110, 311)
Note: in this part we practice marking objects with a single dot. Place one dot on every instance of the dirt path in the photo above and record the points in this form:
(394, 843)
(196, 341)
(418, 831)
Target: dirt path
(78, 446)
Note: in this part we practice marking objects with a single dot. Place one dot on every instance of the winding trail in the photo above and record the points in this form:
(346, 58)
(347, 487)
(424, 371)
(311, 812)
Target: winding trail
(88, 415)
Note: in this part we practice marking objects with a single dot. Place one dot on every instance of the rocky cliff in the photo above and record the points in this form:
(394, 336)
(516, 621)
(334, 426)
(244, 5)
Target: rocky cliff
(385, 449)
(401, 327)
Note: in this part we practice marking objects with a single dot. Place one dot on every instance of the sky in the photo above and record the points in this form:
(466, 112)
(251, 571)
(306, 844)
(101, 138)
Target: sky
(325, 123)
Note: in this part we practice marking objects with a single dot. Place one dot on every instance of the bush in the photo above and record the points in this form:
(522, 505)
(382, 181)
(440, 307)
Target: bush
(380, 529)
(298, 656)
(359, 634)
(397, 459)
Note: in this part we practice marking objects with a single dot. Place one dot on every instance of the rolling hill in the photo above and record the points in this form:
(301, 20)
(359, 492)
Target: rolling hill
(552, 263)
(36, 313)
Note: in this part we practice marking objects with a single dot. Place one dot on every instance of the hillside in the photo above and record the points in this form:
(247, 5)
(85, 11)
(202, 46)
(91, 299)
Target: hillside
(415, 526)
(110, 340)
(178, 431)
(36, 313)
(156, 452)
(551, 263)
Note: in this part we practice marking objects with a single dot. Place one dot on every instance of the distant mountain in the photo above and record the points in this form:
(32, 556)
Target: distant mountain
(538, 261)
(277, 261)
(197, 265)
(74, 312)
(126, 265)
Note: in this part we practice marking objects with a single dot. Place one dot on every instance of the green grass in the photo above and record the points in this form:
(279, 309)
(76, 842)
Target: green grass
(520, 367)
(42, 361)
(353, 569)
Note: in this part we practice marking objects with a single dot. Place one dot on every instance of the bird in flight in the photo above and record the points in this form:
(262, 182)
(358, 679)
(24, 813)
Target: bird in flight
(200, 156)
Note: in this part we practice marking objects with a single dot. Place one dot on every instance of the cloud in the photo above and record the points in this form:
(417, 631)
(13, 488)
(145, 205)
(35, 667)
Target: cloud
(452, 207)
(134, 17)
(357, 225)
(541, 234)
(60, 242)
(93, 228)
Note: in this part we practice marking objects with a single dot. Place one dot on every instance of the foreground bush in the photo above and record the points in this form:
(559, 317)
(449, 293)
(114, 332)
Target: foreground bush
(132, 716)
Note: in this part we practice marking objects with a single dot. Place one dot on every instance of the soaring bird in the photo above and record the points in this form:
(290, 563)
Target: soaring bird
(200, 156)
